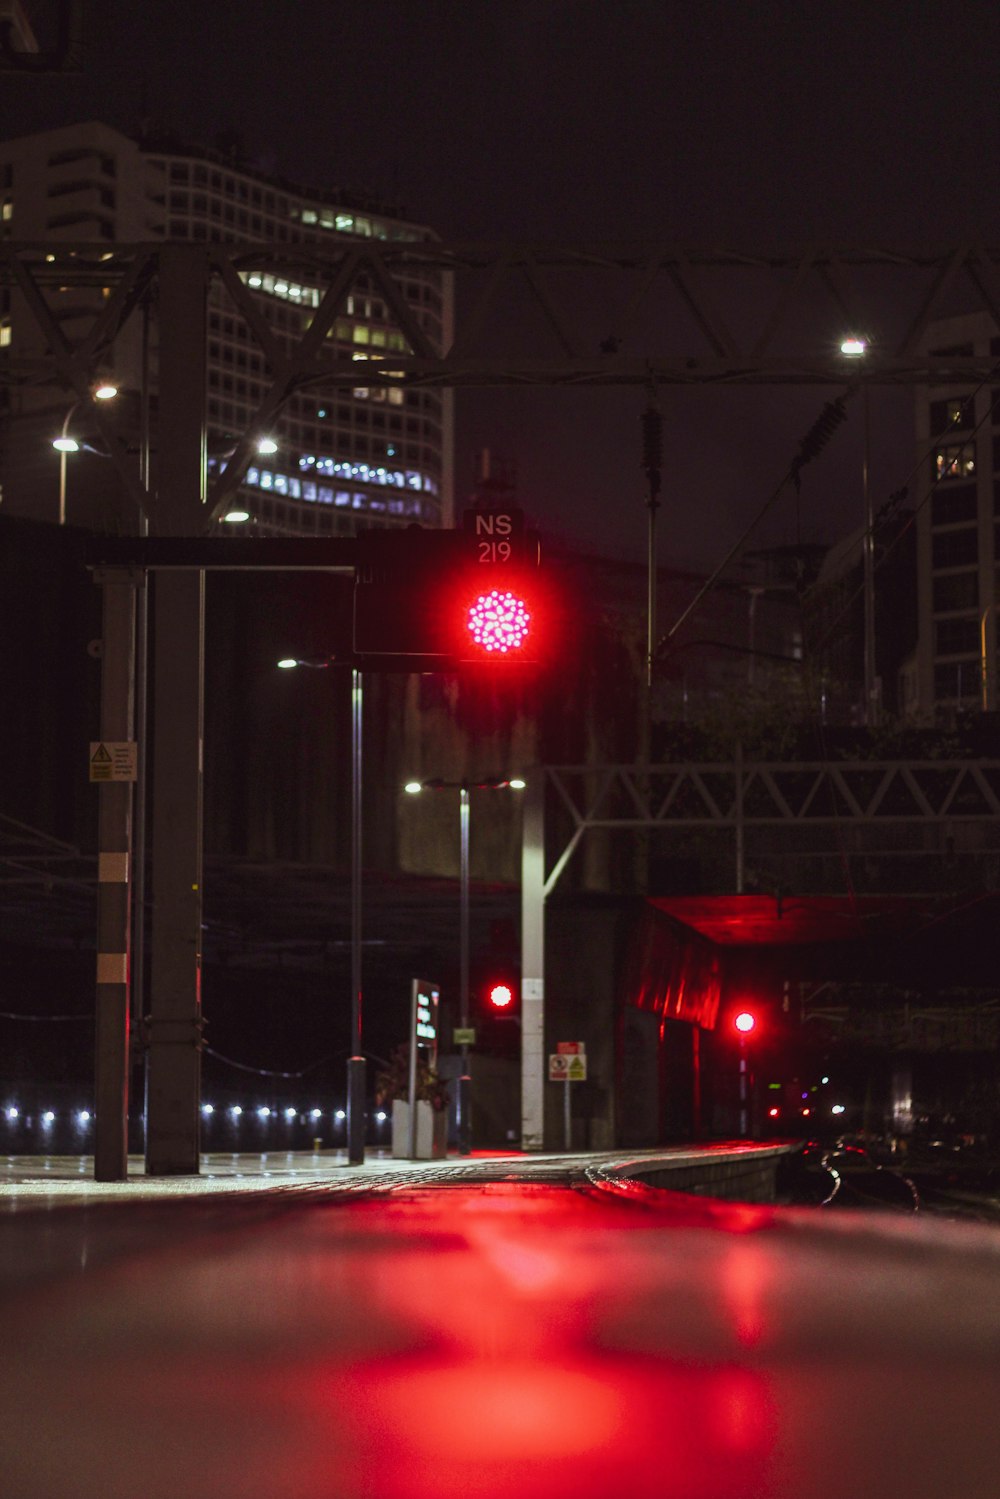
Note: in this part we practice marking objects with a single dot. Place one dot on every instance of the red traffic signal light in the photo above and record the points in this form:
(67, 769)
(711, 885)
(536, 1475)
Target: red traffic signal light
(745, 1022)
(499, 622)
(500, 997)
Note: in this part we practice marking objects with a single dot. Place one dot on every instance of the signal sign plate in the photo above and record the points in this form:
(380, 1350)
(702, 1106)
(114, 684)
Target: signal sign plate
(567, 1069)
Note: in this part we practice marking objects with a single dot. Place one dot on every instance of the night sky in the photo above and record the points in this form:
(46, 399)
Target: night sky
(728, 122)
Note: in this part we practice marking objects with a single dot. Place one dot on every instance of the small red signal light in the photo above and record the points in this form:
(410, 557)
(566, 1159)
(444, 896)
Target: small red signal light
(501, 996)
(773, 1113)
(745, 1022)
(499, 621)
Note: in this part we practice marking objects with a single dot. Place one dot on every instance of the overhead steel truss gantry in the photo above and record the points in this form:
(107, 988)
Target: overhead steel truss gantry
(640, 316)
(739, 796)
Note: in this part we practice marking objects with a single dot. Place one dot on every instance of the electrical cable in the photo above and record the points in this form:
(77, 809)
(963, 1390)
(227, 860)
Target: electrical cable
(811, 446)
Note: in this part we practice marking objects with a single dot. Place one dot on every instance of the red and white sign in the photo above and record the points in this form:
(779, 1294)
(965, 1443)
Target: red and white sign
(570, 1048)
(567, 1069)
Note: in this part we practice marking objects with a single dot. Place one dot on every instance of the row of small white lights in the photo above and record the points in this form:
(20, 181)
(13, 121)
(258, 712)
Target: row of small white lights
(84, 1116)
(48, 1116)
(235, 1111)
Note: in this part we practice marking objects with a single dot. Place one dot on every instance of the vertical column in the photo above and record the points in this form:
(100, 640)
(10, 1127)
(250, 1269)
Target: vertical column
(113, 889)
(533, 964)
(465, 1080)
(356, 1083)
(173, 1074)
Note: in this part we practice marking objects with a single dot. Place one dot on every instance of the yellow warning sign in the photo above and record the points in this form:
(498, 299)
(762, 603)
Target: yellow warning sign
(114, 760)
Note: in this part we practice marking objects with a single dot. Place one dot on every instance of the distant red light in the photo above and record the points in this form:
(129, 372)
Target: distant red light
(745, 1022)
(499, 621)
(501, 995)
(773, 1113)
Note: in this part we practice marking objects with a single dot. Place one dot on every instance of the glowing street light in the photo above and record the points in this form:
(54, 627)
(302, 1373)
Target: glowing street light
(64, 444)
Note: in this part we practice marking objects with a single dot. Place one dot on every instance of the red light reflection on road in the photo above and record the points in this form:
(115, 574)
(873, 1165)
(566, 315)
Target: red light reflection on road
(584, 1428)
(744, 1277)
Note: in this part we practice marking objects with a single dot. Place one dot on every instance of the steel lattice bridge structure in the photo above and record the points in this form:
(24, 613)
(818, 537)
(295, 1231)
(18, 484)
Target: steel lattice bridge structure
(878, 798)
(641, 316)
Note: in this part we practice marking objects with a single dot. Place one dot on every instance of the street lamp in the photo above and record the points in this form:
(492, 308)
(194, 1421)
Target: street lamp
(496, 783)
(64, 444)
(856, 347)
(745, 1023)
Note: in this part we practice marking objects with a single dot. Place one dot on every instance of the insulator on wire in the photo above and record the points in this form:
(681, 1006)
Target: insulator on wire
(820, 432)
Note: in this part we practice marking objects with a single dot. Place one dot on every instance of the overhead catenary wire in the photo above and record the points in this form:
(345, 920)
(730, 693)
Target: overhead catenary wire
(811, 446)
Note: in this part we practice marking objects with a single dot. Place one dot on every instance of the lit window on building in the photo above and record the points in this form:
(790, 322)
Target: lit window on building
(957, 461)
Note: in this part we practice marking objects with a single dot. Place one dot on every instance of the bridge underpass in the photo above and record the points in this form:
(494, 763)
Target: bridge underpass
(879, 877)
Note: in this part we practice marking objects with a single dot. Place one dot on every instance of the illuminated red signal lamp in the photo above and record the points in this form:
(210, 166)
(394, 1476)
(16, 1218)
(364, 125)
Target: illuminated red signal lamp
(499, 622)
(501, 996)
(773, 1113)
(745, 1022)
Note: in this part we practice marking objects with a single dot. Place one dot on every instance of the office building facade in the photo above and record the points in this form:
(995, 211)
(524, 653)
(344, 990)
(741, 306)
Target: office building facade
(345, 456)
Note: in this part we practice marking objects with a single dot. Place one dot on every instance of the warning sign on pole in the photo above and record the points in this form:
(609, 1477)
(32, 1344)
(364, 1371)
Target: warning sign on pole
(567, 1069)
(112, 760)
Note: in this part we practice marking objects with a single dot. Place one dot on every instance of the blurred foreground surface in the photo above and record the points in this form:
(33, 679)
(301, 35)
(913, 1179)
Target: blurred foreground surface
(486, 1328)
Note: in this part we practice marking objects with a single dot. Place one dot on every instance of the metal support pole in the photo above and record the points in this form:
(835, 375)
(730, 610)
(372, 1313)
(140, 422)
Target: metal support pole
(738, 819)
(356, 1062)
(173, 1074)
(567, 1116)
(743, 1089)
(141, 727)
(533, 964)
(113, 889)
(464, 1081)
(868, 558)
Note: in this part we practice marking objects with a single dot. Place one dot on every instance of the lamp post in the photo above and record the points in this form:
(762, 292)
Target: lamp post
(856, 348)
(464, 1100)
(744, 1023)
(64, 444)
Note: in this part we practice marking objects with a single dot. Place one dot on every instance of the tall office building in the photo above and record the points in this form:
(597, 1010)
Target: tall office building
(958, 518)
(344, 456)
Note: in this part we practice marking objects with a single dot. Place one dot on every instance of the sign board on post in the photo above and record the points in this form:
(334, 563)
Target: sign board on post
(425, 999)
(568, 1064)
(114, 760)
(567, 1069)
